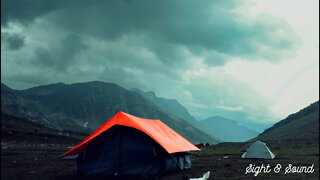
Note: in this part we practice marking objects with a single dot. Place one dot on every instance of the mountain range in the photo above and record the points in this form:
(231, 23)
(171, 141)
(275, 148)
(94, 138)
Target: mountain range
(171, 106)
(83, 107)
(302, 125)
(226, 130)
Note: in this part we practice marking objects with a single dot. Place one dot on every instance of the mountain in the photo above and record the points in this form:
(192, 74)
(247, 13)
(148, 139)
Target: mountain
(215, 126)
(15, 129)
(12, 103)
(303, 125)
(83, 107)
(171, 106)
(226, 130)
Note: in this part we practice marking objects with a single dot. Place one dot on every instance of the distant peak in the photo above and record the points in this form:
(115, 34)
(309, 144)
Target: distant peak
(219, 118)
(92, 82)
(148, 93)
(5, 87)
(136, 90)
(96, 83)
(151, 93)
(58, 84)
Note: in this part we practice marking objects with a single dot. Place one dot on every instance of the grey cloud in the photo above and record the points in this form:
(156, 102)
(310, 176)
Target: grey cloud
(200, 26)
(146, 44)
(13, 41)
(24, 11)
(222, 90)
(126, 53)
(71, 45)
(60, 55)
(30, 75)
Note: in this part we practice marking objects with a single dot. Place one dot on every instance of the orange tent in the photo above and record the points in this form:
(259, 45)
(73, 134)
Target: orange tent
(167, 138)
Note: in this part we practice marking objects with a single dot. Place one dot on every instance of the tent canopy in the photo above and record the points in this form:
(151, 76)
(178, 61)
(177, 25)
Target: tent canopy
(258, 150)
(167, 138)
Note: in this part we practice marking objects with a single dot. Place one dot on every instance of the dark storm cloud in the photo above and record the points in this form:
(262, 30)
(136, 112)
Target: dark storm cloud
(203, 27)
(12, 41)
(152, 45)
(62, 54)
(200, 26)
(24, 11)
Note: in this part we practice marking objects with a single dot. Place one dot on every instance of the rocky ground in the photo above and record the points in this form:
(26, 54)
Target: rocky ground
(44, 161)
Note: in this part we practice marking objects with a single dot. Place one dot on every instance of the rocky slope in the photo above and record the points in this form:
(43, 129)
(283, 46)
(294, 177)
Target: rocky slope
(83, 107)
(303, 125)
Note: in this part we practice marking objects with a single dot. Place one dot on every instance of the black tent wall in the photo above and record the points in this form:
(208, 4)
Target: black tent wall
(126, 151)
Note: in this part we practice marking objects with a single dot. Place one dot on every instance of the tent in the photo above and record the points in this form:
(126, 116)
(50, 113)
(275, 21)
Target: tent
(130, 146)
(258, 150)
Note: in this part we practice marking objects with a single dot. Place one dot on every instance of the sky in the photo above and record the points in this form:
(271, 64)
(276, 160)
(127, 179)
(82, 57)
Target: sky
(252, 61)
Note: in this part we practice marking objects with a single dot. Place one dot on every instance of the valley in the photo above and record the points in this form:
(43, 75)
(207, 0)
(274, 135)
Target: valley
(32, 144)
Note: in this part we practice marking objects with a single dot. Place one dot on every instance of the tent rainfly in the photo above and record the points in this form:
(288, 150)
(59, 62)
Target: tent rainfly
(258, 150)
(130, 146)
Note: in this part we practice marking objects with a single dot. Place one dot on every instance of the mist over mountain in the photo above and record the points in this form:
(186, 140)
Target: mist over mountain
(83, 107)
(171, 106)
(226, 130)
(302, 125)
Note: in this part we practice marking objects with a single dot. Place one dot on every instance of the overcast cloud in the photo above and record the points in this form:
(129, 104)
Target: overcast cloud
(176, 48)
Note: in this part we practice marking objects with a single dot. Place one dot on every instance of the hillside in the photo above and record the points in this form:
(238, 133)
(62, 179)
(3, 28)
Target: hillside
(83, 107)
(303, 125)
(14, 104)
(21, 131)
(171, 106)
(226, 130)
